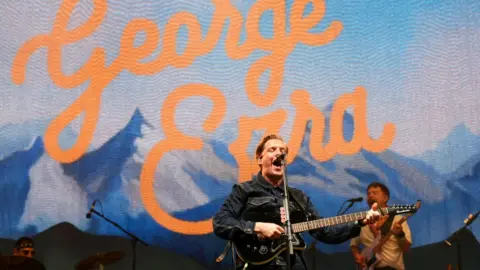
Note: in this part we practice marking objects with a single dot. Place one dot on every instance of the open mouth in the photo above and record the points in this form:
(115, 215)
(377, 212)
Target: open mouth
(277, 163)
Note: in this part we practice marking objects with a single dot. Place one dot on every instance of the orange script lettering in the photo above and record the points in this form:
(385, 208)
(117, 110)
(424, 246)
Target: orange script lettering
(129, 57)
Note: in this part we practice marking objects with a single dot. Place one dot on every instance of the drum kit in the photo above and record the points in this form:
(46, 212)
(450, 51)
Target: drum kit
(96, 262)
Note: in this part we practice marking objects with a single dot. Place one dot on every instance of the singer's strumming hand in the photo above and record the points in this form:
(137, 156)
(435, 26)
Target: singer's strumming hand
(268, 230)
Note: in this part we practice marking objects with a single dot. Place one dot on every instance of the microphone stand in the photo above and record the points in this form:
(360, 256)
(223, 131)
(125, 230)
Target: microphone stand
(454, 238)
(346, 209)
(134, 238)
(288, 223)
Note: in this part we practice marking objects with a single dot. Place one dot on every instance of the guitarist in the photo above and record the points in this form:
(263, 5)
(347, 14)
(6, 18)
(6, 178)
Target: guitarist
(391, 252)
(252, 210)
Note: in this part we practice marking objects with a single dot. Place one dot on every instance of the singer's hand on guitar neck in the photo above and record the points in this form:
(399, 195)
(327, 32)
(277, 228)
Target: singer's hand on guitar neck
(268, 230)
(372, 215)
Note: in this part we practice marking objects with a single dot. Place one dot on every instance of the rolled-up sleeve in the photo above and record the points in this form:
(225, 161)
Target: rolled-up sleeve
(356, 242)
(227, 223)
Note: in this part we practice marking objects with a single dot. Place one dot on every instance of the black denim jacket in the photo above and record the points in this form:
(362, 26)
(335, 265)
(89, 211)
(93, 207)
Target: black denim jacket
(259, 201)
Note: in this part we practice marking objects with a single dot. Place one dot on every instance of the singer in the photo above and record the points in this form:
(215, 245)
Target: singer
(253, 210)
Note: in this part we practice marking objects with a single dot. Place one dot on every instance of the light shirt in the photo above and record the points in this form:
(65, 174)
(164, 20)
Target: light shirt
(391, 254)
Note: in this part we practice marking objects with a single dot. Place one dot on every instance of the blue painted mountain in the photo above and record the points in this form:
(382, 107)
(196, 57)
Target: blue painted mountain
(455, 150)
(15, 183)
(467, 181)
(37, 177)
(17, 137)
(468, 170)
(98, 172)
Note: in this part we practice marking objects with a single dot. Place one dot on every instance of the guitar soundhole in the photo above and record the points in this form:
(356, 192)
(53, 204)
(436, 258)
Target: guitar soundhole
(263, 250)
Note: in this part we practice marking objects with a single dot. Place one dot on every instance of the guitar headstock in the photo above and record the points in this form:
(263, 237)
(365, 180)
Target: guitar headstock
(397, 209)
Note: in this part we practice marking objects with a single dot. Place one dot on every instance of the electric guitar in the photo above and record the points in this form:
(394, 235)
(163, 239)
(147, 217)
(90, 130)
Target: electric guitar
(371, 254)
(258, 252)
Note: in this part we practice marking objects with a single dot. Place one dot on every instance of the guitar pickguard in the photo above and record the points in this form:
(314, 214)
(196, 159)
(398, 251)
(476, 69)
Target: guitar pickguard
(275, 246)
(261, 252)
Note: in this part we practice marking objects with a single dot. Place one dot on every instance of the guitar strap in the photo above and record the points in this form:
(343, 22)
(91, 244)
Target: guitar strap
(228, 247)
(387, 225)
(225, 252)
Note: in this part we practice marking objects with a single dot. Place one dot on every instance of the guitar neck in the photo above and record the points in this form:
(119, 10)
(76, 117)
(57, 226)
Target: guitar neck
(331, 221)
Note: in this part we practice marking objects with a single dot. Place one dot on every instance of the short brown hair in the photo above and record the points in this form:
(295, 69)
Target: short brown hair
(24, 242)
(261, 145)
(382, 187)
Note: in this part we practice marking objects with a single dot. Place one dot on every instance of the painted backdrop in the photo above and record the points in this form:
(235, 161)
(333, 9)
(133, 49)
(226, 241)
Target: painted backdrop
(154, 109)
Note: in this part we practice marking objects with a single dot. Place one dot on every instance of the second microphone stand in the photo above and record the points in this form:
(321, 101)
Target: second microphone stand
(288, 223)
(134, 238)
(455, 237)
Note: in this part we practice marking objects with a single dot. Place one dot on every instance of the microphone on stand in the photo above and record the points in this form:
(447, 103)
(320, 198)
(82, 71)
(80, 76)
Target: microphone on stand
(89, 214)
(280, 158)
(471, 219)
(467, 222)
(135, 239)
(455, 237)
(351, 201)
(354, 200)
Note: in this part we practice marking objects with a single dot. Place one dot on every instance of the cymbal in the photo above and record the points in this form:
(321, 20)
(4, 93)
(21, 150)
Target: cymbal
(103, 258)
(20, 263)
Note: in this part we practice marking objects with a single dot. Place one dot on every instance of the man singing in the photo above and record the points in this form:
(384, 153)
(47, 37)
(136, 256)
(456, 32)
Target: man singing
(253, 208)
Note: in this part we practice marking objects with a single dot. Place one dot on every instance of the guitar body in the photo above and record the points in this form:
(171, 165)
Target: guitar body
(264, 251)
(371, 257)
(374, 260)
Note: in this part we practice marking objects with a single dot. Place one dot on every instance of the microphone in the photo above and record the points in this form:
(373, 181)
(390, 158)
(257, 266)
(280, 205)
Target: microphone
(359, 199)
(89, 214)
(470, 220)
(281, 157)
(351, 202)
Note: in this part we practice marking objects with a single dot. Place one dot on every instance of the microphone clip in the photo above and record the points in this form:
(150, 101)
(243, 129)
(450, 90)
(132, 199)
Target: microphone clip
(92, 209)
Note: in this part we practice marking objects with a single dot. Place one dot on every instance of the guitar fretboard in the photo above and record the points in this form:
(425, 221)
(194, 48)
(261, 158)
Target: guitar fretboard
(324, 222)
